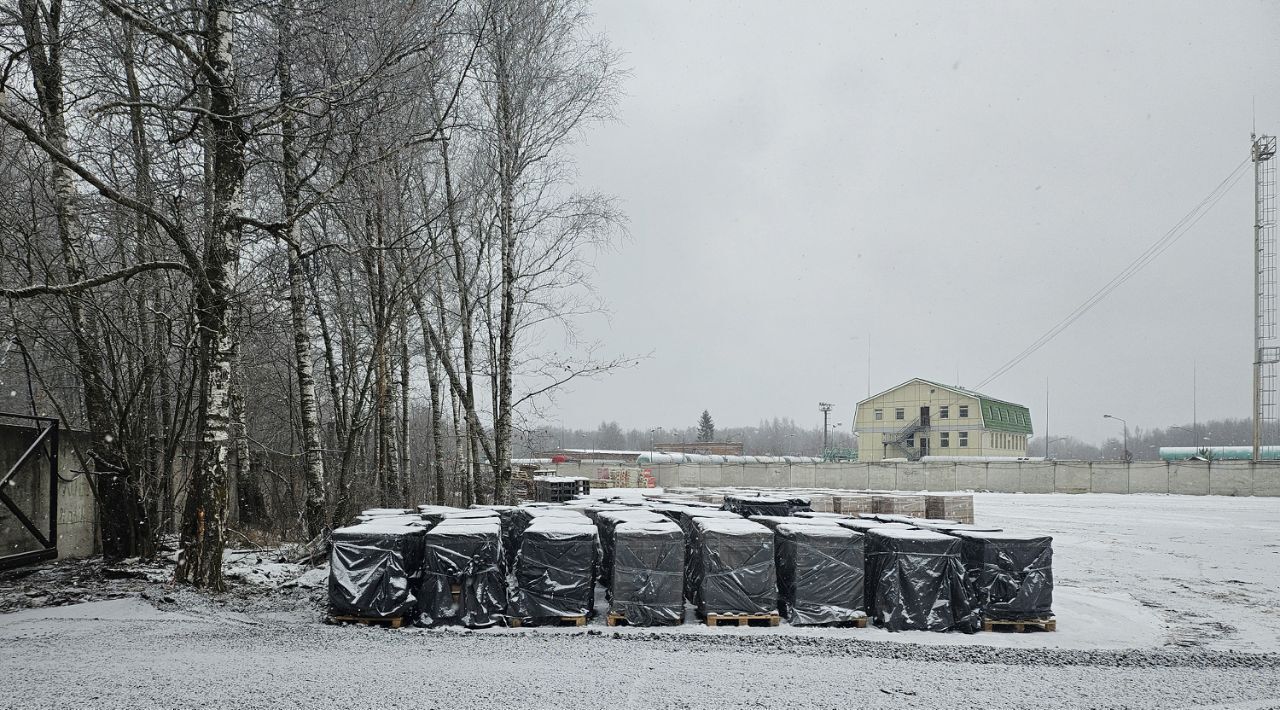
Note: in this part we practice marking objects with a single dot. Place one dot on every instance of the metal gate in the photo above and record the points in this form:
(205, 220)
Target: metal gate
(43, 446)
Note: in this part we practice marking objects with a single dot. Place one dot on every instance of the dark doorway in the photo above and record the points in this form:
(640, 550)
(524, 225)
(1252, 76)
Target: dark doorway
(924, 416)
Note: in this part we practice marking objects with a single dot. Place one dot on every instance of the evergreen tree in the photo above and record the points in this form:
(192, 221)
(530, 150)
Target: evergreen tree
(706, 427)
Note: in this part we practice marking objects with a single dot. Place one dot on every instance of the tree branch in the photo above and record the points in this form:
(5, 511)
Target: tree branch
(50, 289)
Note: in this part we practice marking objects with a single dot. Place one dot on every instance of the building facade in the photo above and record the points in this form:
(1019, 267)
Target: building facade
(922, 418)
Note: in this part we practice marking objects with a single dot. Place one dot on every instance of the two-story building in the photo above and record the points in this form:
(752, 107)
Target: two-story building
(922, 418)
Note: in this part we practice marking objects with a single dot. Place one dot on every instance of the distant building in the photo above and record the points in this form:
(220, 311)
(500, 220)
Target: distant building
(922, 418)
(716, 448)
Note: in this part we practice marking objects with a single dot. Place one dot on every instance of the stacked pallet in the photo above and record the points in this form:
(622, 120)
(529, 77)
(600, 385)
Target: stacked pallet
(822, 503)
(950, 506)
(373, 570)
(553, 577)
(559, 489)
(851, 504)
(912, 505)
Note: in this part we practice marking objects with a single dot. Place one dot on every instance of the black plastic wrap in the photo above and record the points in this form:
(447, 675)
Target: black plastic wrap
(517, 520)
(733, 569)
(800, 504)
(819, 515)
(917, 582)
(685, 517)
(374, 569)
(647, 585)
(607, 521)
(555, 569)
(1011, 574)
(820, 573)
(441, 514)
(864, 524)
(757, 505)
(466, 555)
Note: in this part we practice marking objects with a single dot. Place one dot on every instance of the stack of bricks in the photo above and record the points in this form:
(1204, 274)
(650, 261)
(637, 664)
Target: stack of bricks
(851, 504)
(912, 505)
(822, 503)
(950, 506)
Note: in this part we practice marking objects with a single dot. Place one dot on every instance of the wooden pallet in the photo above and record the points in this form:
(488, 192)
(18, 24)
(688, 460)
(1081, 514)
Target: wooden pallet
(516, 622)
(1020, 625)
(859, 623)
(743, 619)
(391, 622)
(614, 619)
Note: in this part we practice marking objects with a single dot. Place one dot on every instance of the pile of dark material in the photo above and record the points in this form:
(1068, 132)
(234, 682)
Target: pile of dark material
(646, 586)
(1010, 573)
(733, 569)
(555, 569)
(820, 573)
(606, 522)
(463, 578)
(916, 581)
(374, 568)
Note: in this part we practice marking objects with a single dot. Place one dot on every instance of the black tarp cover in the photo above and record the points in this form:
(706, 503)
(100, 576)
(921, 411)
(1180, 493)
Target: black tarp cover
(733, 570)
(466, 553)
(917, 582)
(820, 573)
(648, 571)
(555, 569)
(685, 517)
(773, 521)
(757, 505)
(374, 567)
(1011, 573)
(517, 520)
(607, 521)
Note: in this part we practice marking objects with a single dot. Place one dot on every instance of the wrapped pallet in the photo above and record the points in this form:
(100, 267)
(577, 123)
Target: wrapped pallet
(917, 581)
(517, 520)
(822, 515)
(1010, 573)
(463, 580)
(607, 521)
(773, 521)
(851, 503)
(685, 518)
(821, 503)
(950, 506)
(820, 573)
(748, 505)
(733, 569)
(374, 568)
(912, 505)
(646, 585)
(554, 574)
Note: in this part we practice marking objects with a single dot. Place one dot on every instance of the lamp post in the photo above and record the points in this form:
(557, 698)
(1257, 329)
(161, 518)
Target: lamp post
(786, 444)
(651, 434)
(825, 408)
(1126, 457)
(1051, 442)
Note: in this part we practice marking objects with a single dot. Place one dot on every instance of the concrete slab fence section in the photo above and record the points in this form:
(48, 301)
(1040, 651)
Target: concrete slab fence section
(1228, 478)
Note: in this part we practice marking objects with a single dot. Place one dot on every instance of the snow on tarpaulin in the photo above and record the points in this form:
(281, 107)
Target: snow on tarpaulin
(1011, 573)
(647, 585)
(555, 569)
(917, 582)
(820, 573)
(607, 521)
(821, 515)
(466, 554)
(757, 505)
(773, 521)
(373, 568)
(865, 524)
(440, 515)
(733, 570)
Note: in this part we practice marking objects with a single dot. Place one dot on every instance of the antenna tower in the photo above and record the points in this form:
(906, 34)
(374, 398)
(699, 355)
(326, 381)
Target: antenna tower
(1266, 347)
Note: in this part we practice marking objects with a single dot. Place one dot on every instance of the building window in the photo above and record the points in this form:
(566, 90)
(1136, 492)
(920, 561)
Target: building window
(964, 411)
(944, 412)
(964, 439)
(911, 442)
(944, 440)
(879, 414)
(899, 413)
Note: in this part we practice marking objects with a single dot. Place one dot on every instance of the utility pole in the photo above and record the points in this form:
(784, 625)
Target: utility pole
(1265, 353)
(826, 409)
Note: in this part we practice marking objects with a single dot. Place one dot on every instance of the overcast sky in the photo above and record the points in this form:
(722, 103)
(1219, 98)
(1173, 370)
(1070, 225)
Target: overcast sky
(944, 181)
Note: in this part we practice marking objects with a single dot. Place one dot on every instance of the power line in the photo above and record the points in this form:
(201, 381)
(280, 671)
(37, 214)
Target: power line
(1152, 252)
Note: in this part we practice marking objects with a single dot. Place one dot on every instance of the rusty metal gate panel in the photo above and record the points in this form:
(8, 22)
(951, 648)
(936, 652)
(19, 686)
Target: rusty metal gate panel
(42, 448)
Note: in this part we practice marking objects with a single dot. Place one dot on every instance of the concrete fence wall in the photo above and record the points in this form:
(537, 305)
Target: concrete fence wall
(1228, 478)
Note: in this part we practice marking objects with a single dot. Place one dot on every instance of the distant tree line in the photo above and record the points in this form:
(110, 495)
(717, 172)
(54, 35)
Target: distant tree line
(775, 437)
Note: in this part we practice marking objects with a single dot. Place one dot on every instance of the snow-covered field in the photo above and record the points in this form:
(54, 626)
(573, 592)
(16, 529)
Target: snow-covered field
(1162, 602)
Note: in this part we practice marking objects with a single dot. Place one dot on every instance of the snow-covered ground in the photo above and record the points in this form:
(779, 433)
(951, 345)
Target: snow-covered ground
(1162, 602)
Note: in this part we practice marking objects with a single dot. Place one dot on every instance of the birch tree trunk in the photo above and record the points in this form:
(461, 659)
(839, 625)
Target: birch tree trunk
(317, 497)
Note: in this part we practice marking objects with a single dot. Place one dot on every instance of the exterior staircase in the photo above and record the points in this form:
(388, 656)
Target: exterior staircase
(905, 437)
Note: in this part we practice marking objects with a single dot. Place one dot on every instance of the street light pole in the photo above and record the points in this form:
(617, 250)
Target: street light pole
(826, 409)
(1125, 424)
